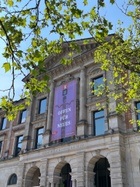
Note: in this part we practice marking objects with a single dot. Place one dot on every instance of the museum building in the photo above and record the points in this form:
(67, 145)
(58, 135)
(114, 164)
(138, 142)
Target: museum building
(63, 140)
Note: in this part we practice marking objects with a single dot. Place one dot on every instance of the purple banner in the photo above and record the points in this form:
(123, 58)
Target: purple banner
(64, 111)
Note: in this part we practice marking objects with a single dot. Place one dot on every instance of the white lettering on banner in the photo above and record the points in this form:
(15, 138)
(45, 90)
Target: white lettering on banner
(64, 111)
(66, 123)
(64, 117)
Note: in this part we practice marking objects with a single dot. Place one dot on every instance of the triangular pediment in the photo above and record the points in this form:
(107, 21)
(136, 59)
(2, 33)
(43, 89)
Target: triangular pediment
(82, 46)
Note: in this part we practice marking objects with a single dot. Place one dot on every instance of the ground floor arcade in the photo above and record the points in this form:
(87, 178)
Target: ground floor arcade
(102, 162)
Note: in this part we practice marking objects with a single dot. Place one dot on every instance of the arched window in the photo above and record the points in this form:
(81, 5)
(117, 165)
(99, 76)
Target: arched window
(13, 179)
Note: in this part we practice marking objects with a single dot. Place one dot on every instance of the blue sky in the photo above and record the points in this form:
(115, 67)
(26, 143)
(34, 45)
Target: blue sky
(112, 12)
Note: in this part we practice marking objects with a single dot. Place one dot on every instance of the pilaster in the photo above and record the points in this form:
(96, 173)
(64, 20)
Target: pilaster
(117, 170)
(53, 181)
(43, 171)
(89, 179)
(26, 138)
(20, 181)
(82, 124)
(46, 137)
(80, 169)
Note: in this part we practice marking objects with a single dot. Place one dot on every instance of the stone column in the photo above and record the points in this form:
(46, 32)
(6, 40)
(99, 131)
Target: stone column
(82, 124)
(116, 121)
(82, 113)
(117, 168)
(56, 180)
(46, 137)
(27, 183)
(27, 138)
(73, 183)
(52, 184)
(57, 185)
(43, 171)
(48, 184)
(80, 169)
(89, 178)
(21, 180)
(9, 150)
(73, 179)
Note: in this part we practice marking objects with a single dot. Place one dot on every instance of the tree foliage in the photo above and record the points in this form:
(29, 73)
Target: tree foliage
(27, 26)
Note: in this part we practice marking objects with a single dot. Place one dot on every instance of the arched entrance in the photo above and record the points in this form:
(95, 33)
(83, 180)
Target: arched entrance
(32, 177)
(65, 176)
(102, 173)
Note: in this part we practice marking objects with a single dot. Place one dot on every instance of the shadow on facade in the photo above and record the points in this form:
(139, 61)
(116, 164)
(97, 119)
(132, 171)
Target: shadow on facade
(33, 177)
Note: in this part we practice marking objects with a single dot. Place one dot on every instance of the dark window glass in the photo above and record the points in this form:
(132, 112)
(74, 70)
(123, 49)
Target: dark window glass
(42, 106)
(0, 146)
(138, 112)
(102, 173)
(23, 115)
(98, 122)
(65, 176)
(3, 123)
(39, 138)
(12, 179)
(18, 145)
(98, 84)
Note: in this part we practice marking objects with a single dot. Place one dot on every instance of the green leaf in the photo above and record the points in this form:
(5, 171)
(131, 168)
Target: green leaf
(101, 3)
(7, 66)
(33, 18)
(85, 2)
(10, 3)
(112, 1)
(34, 43)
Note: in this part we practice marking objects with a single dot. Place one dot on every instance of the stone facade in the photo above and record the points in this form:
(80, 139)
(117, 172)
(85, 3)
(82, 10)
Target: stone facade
(42, 166)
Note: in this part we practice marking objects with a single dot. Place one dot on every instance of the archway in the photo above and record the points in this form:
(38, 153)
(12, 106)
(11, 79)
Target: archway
(102, 173)
(32, 177)
(65, 176)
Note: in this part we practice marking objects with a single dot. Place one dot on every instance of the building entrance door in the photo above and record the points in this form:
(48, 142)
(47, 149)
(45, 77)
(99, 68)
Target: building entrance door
(66, 177)
(102, 173)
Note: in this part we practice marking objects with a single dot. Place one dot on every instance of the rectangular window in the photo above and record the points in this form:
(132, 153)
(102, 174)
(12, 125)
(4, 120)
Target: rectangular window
(98, 84)
(138, 108)
(98, 122)
(42, 105)
(23, 115)
(18, 144)
(0, 146)
(39, 137)
(138, 112)
(3, 123)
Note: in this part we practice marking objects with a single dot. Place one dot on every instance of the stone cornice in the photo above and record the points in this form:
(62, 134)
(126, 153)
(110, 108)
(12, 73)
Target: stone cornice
(18, 127)
(87, 145)
(80, 60)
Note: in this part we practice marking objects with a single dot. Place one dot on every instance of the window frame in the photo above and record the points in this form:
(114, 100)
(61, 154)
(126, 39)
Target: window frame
(94, 119)
(1, 144)
(3, 123)
(37, 137)
(17, 143)
(93, 81)
(137, 113)
(12, 179)
(40, 105)
(21, 117)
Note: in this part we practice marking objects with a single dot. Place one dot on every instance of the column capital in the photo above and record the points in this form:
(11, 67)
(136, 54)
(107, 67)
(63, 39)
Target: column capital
(82, 122)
